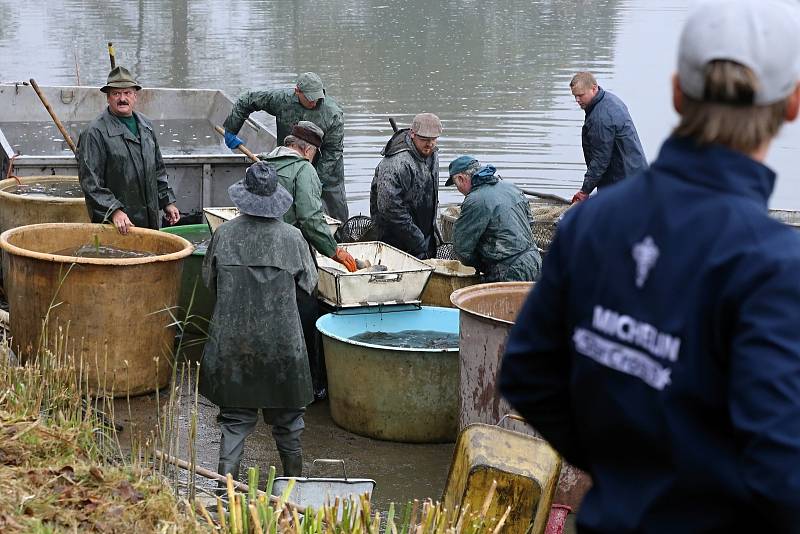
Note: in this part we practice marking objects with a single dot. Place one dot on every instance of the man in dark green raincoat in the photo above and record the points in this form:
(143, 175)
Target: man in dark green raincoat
(405, 189)
(120, 167)
(297, 175)
(255, 357)
(493, 232)
(307, 101)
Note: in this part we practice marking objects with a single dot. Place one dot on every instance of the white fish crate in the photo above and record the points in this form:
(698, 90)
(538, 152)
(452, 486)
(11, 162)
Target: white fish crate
(401, 283)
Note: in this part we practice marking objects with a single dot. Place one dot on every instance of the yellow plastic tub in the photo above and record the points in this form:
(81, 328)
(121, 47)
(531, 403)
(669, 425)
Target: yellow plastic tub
(526, 470)
(447, 276)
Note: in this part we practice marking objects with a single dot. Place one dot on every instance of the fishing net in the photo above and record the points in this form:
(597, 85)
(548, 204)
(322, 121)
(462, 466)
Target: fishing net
(447, 220)
(446, 251)
(358, 228)
(545, 221)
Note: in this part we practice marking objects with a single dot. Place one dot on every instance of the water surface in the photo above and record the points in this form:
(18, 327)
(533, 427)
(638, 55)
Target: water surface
(410, 339)
(63, 189)
(495, 71)
(102, 251)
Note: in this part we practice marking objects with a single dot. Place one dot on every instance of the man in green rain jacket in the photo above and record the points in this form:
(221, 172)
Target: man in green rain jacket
(493, 232)
(297, 175)
(120, 168)
(307, 101)
(255, 356)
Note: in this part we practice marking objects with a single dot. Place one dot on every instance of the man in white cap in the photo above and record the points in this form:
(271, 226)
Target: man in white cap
(306, 101)
(405, 189)
(664, 357)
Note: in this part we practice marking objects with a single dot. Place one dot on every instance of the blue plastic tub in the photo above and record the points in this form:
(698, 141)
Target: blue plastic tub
(392, 393)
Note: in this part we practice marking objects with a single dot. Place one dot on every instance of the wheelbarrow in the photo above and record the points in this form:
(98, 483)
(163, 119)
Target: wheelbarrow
(317, 492)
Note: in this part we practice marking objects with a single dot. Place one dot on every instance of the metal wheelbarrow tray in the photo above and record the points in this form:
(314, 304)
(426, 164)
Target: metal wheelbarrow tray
(318, 491)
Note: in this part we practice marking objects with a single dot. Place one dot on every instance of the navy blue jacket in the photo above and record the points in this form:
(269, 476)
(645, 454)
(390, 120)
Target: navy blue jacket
(671, 369)
(611, 146)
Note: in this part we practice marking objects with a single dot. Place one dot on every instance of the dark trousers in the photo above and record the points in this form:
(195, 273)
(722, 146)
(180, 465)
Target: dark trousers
(308, 306)
(238, 423)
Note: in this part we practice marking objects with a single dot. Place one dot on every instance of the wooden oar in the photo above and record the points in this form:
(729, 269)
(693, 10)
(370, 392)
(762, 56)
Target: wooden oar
(548, 196)
(241, 148)
(52, 113)
(244, 488)
(111, 55)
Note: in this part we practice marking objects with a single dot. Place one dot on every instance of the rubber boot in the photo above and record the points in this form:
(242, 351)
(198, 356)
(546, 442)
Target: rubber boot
(223, 469)
(292, 464)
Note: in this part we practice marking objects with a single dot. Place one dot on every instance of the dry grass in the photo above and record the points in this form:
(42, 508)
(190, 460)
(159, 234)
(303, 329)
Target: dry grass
(60, 467)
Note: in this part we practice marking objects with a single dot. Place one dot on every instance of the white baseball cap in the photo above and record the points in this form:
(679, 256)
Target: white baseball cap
(763, 35)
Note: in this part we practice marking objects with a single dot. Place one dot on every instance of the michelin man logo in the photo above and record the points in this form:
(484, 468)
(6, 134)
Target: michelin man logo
(645, 254)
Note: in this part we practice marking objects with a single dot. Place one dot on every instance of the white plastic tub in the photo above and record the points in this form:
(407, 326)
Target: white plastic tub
(401, 283)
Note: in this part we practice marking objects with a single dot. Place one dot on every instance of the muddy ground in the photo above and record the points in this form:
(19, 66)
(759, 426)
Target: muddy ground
(401, 471)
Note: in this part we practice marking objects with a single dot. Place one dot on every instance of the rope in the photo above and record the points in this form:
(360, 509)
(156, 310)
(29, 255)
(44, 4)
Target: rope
(11, 169)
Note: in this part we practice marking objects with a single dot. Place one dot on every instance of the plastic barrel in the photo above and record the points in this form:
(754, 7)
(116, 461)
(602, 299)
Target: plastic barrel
(109, 313)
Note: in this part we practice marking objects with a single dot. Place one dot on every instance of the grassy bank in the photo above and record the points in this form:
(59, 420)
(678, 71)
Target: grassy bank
(62, 469)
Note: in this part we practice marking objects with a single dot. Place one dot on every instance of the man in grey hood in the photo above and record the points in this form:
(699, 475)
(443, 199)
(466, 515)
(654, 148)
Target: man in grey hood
(405, 189)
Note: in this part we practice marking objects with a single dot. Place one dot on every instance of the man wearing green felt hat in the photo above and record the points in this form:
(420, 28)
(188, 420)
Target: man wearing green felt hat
(120, 167)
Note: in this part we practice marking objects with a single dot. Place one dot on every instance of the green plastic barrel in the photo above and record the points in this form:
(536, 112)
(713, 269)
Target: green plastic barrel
(192, 281)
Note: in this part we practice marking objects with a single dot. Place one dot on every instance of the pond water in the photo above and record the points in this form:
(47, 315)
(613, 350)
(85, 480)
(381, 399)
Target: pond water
(65, 189)
(495, 71)
(102, 251)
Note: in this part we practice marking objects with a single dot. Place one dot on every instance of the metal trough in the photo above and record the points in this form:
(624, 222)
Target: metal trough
(316, 492)
(488, 312)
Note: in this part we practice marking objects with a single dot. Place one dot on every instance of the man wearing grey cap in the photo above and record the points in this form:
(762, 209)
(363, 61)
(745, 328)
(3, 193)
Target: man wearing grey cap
(307, 101)
(405, 188)
(664, 358)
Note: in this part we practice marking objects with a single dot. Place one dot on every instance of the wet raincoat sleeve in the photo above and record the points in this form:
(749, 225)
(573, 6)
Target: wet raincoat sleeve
(308, 210)
(598, 149)
(764, 389)
(91, 172)
(250, 102)
(535, 370)
(393, 180)
(469, 229)
(165, 194)
(307, 278)
(330, 166)
(210, 267)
